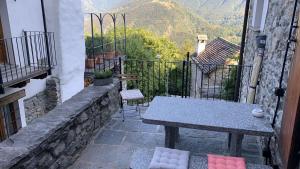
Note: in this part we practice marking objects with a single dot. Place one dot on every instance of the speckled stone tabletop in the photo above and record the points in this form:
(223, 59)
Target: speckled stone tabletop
(207, 115)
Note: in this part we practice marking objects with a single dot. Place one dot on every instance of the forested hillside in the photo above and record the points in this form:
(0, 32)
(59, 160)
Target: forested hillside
(180, 20)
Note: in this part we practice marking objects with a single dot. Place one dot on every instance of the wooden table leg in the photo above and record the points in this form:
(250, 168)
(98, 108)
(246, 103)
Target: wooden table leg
(236, 144)
(170, 136)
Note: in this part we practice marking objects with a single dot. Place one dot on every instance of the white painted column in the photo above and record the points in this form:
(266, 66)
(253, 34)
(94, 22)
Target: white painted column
(65, 18)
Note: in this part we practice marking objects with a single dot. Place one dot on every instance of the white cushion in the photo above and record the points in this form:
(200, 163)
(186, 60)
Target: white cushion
(165, 158)
(134, 94)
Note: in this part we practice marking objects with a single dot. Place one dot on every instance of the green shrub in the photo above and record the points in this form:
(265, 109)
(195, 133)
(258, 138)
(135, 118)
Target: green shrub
(103, 74)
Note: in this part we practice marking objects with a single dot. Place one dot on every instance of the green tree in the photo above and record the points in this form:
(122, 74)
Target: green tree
(188, 46)
(153, 58)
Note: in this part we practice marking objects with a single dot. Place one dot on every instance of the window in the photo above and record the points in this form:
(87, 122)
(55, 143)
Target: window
(8, 120)
(260, 10)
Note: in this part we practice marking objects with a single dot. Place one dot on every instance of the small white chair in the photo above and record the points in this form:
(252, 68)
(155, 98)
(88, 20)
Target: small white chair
(130, 95)
(165, 158)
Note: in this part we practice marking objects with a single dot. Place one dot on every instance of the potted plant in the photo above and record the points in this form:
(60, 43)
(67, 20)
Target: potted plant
(89, 63)
(99, 59)
(103, 78)
(110, 54)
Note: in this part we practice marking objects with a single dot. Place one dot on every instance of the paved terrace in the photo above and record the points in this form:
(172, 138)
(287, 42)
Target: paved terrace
(122, 144)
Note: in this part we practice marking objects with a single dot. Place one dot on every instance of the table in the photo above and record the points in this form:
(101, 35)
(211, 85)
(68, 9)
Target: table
(221, 116)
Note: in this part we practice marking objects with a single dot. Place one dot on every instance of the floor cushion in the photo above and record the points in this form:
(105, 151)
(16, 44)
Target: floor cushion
(224, 162)
(165, 158)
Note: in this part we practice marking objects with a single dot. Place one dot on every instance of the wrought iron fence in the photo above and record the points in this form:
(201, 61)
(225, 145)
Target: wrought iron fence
(102, 51)
(184, 79)
(26, 56)
(102, 56)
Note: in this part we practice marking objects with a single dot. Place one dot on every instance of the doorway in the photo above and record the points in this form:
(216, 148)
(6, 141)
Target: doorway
(2, 45)
(8, 120)
(290, 128)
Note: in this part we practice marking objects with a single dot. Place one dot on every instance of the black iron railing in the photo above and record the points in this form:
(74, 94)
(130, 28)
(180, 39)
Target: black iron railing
(26, 57)
(102, 56)
(184, 79)
(102, 50)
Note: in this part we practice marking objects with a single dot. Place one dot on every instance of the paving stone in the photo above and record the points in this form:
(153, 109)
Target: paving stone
(146, 140)
(111, 124)
(110, 137)
(83, 165)
(200, 146)
(133, 115)
(128, 125)
(150, 128)
(103, 155)
(141, 158)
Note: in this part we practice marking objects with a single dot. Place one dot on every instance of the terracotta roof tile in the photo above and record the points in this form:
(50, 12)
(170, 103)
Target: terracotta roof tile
(216, 53)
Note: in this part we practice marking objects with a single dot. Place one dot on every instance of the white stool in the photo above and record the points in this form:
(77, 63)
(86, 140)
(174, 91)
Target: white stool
(131, 95)
(165, 158)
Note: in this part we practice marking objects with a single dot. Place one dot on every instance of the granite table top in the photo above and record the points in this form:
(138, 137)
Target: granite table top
(203, 114)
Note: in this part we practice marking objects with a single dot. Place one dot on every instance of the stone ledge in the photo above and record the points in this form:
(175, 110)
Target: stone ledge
(84, 111)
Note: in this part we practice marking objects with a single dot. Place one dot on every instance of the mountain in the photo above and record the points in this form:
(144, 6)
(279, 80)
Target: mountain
(181, 20)
(217, 11)
(104, 5)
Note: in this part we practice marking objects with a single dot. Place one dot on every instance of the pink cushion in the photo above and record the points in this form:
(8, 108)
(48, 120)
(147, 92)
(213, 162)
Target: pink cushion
(223, 162)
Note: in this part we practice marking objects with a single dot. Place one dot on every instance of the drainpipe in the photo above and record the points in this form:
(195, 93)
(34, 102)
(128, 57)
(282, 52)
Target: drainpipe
(261, 44)
(46, 37)
(241, 58)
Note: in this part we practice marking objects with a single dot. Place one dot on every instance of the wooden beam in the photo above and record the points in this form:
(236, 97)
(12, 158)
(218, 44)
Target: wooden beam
(11, 96)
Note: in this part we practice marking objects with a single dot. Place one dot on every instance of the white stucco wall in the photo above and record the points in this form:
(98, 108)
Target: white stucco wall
(70, 47)
(65, 19)
(24, 15)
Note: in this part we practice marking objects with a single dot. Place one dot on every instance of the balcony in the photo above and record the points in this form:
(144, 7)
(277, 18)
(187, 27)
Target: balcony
(87, 131)
(31, 56)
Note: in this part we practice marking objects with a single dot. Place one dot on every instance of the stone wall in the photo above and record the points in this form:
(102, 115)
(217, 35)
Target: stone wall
(57, 139)
(212, 85)
(208, 85)
(44, 101)
(276, 28)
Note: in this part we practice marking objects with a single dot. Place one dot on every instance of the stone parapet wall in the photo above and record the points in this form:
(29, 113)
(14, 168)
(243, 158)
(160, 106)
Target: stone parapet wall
(56, 139)
(43, 102)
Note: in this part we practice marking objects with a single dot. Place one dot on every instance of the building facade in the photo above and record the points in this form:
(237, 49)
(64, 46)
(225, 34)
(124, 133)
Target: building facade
(273, 19)
(37, 76)
(212, 67)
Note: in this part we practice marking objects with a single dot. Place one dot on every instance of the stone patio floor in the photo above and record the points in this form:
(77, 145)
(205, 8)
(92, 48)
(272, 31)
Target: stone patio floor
(119, 143)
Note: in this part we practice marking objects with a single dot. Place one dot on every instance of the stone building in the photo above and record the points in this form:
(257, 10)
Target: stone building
(212, 65)
(273, 19)
(36, 73)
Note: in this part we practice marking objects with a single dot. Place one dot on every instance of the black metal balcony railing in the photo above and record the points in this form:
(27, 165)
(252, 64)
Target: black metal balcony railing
(184, 79)
(26, 57)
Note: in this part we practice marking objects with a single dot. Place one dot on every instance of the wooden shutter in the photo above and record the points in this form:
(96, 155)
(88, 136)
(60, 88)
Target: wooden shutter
(2, 46)
(2, 127)
(289, 134)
